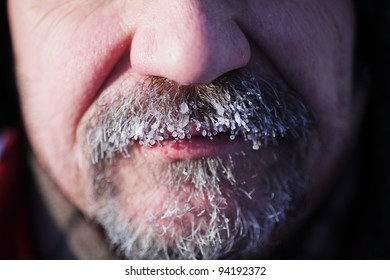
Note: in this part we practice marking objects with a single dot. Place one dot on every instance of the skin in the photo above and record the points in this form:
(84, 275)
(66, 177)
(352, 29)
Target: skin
(68, 52)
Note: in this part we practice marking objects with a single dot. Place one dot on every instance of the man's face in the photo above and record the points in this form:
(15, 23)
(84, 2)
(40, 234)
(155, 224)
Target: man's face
(188, 129)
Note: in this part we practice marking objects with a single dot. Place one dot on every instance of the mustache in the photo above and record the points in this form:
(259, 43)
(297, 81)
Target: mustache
(259, 109)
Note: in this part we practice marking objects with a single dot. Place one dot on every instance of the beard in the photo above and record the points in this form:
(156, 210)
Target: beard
(224, 205)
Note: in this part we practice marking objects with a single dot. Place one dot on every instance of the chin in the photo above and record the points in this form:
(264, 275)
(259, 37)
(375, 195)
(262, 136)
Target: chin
(225, 205)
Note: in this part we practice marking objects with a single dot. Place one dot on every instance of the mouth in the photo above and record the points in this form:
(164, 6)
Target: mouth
(173, 123)
(196, 147)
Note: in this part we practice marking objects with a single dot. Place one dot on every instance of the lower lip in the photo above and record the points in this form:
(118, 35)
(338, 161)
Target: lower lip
(196, 147)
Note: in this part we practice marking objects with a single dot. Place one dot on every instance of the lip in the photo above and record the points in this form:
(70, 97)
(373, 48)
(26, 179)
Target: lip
(196, 147)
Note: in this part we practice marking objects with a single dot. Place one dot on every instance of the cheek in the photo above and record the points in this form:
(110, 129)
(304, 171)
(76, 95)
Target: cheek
(61, 75)
(311, 46)
(61, 66)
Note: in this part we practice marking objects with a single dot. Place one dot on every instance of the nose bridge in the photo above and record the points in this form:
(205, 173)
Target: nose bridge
(188, 42)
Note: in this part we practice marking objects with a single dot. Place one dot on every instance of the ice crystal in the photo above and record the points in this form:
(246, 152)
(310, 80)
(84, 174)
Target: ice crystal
(243, 107)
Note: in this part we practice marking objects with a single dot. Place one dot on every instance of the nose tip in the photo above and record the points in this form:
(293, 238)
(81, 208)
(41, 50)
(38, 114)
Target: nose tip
(189, 49)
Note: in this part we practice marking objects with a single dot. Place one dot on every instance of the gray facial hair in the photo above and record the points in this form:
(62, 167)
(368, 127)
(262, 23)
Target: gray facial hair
(263, 112)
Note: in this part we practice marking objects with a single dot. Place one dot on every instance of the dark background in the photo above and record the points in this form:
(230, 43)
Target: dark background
(372, 209)
(9, 112)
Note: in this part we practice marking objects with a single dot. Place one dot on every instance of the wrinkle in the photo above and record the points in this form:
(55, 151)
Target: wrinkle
(62, 11)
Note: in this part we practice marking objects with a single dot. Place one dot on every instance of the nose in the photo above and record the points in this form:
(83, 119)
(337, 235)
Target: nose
(188, 41)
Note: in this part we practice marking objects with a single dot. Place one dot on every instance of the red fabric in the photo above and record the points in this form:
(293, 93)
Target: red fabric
(14, 228)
